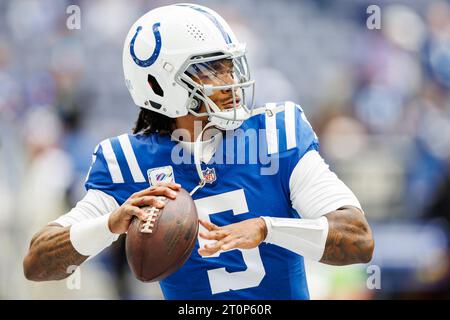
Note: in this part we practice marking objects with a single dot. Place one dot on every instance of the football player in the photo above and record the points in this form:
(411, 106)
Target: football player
(186, 70)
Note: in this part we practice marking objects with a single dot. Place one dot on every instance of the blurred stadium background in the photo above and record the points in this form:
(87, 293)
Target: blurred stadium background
(378, 100)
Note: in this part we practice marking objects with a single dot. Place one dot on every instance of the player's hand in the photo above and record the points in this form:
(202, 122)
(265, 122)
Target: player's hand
(120, 219)
(246, 234)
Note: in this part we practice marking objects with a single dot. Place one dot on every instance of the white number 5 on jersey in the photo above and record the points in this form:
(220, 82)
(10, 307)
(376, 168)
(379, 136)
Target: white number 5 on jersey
(220, 279)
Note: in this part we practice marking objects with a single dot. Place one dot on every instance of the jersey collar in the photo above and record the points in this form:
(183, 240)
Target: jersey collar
(208, 147)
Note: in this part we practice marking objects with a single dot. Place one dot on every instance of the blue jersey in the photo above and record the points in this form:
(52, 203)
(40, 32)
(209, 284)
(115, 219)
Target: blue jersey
(244, 188)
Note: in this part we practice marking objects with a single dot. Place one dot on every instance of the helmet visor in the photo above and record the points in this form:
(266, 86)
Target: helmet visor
(224, 80)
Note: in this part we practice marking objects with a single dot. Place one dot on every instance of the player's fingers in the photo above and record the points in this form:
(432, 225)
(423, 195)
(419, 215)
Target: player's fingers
(207, 251)
(171, 185)
(210, 248)
(214, 246)
(137, 212)
(140, 193)
(232, 244)
(147, 191)
(208, 225)
(147, 201)
(214, 235)
(203, 252)
(220, 233)
(163, 191)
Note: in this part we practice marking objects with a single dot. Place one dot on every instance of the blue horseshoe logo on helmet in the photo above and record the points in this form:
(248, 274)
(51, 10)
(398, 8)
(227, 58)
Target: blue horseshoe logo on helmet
(156, 52)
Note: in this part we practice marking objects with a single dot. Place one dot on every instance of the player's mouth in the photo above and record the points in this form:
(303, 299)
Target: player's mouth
(229, 104)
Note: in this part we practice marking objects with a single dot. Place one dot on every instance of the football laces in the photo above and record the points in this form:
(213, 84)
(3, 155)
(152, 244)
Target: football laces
(150, 222)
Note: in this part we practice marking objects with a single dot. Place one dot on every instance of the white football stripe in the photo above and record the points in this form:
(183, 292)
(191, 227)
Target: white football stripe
(289, 120)
(136, 172)
(111, 161)
(271, 131)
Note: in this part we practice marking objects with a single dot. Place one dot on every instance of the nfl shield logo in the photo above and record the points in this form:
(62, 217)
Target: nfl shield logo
(209, 174)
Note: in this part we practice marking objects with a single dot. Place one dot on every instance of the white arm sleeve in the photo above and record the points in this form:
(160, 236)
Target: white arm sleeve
(89, 232)
(315, 191)
(94, 204)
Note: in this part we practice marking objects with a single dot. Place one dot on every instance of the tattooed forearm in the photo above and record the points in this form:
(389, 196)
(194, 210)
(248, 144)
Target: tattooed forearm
(51, 254)
(349, 238)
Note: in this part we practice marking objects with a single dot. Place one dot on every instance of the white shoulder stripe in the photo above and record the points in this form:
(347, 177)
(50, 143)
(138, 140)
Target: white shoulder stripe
(289, 120)
(111, 161)
(306, 120)
(136, 172)
(94, 157)
(271, 130)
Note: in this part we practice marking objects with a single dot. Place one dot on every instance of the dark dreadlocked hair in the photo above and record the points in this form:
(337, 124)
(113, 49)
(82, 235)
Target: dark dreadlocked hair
(150, 122)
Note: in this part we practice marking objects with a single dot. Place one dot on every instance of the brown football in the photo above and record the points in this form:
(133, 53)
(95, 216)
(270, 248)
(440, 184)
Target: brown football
(157, 248)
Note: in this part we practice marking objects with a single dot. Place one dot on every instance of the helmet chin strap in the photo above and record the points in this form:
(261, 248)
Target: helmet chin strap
(197, 161)
(213, 122)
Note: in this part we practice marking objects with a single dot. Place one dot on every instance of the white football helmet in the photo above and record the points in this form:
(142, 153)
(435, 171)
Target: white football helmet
(174, 59)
